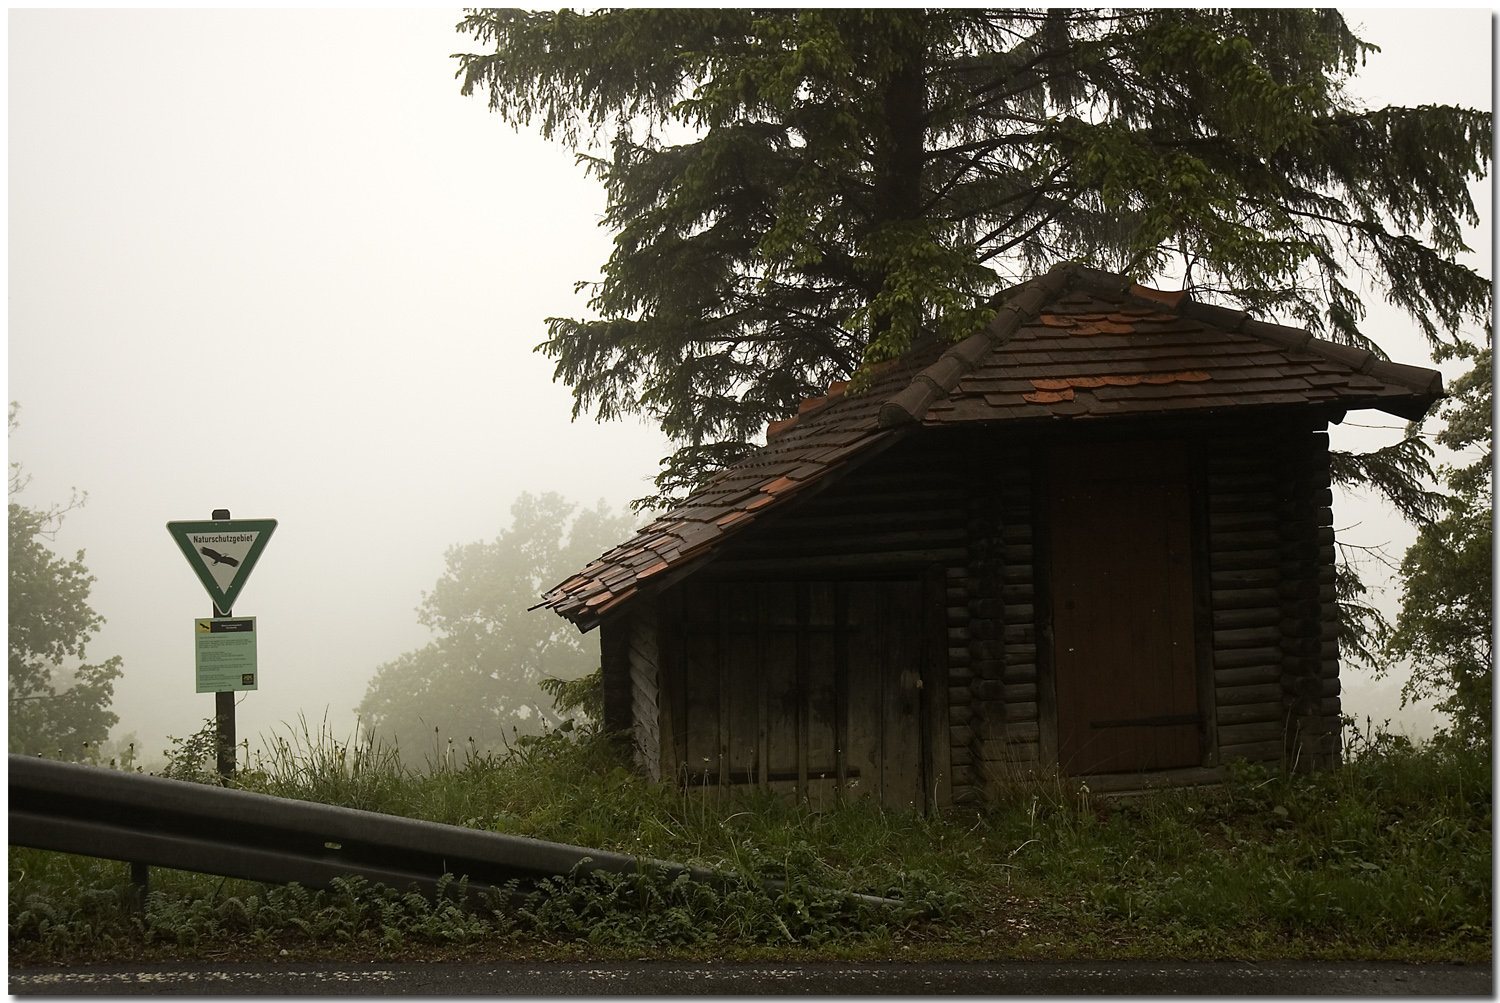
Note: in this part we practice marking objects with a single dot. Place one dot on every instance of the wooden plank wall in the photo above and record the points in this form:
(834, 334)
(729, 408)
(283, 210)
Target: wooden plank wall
(631, 680)
(814, 689)
(645, 691)
(614, 671)
(903, 516)
(1242, 474)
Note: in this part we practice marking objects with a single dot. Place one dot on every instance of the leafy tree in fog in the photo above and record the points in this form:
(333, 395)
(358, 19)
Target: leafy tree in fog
(479, 677)
(55, 711)
(797, 192)
(1447, 586)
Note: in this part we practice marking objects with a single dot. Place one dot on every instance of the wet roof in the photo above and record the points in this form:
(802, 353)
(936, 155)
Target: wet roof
(1074, 344)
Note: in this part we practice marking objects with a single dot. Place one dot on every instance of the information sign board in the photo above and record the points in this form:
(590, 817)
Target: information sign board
(225, 654)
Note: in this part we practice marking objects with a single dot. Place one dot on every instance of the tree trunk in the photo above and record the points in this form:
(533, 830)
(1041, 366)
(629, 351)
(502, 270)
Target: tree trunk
(901, 146)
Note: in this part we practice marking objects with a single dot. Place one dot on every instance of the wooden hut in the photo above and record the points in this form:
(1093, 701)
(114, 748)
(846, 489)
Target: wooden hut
(1094, 538)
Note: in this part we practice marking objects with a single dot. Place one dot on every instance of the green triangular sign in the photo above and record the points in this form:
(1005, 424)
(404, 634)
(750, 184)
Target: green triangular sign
(222, 553)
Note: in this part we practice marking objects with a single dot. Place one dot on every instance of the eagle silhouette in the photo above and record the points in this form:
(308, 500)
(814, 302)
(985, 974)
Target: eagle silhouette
(218, 558)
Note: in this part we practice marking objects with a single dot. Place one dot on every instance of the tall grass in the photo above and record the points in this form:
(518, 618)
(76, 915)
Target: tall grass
(1387, 855)
(1394, 846)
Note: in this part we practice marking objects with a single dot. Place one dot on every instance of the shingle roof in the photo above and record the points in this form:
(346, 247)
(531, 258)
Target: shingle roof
(1076, 343)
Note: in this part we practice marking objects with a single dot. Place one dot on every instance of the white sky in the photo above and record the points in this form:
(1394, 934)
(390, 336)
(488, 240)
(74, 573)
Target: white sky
(272, 261)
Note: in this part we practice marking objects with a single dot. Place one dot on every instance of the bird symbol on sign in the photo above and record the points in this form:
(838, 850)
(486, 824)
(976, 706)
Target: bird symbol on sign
(218, 558)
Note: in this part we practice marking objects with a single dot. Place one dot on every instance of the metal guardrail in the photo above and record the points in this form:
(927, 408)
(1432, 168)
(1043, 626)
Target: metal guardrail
(153, 821)
(240, 834)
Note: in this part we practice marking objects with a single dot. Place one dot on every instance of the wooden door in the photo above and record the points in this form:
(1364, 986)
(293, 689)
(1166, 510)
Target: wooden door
(808, 688)
(885, 745)
(1122, 607)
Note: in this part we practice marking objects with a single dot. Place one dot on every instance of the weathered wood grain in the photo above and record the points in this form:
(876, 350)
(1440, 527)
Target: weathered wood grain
(1246, 637)
(1243, 560)
(1249, 675)
(1234, 619)
(1249, 713)
(1229, 696)
(1236, 658)
(1251, 733)
(1269, 751)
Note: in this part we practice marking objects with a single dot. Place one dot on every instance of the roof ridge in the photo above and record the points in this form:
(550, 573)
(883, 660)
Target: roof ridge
(939, 379)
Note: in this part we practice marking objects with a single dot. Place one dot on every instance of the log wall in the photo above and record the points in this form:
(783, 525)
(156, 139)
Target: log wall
(1309, 613)
(993, 669)
(895, 517)
(1268, 641)
(1275, 653)
(965, 516)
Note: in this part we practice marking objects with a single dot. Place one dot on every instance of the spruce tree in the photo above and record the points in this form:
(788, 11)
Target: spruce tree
(797, 193)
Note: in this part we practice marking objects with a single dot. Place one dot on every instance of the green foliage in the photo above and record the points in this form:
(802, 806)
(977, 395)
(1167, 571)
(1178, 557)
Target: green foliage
(63, 903)
(1446, 621)
(194, 758)
(1395, 844)
(584, 694)
(1362, 627)
(1397, 471)
(51, 622)
(645, 910)
(477, 682)
(1447, 616)
(1388, 855)
(355, 773)
(1468, 414)
(797, 192)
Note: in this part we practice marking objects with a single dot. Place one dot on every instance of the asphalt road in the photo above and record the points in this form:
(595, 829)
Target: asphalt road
(1198, 978)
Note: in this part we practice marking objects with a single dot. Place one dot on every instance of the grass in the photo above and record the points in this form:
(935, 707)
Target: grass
(1386, 856)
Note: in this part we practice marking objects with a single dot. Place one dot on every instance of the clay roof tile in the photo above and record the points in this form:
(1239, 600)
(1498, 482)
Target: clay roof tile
(810, 403)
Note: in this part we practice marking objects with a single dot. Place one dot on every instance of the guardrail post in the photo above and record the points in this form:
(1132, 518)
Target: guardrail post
(140, 885)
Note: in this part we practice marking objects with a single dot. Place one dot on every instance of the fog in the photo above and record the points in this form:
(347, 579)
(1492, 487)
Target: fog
(271, 261)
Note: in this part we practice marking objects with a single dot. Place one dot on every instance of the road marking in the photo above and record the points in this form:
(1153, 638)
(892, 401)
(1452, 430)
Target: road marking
(93, 978)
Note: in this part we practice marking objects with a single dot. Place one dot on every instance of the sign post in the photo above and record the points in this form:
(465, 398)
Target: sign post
(222, 552)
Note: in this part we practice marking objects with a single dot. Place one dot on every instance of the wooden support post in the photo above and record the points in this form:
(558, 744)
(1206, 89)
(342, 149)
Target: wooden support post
(841, 685)
(803, 670)
(762, 690)
(722, 668)
(224, 702)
